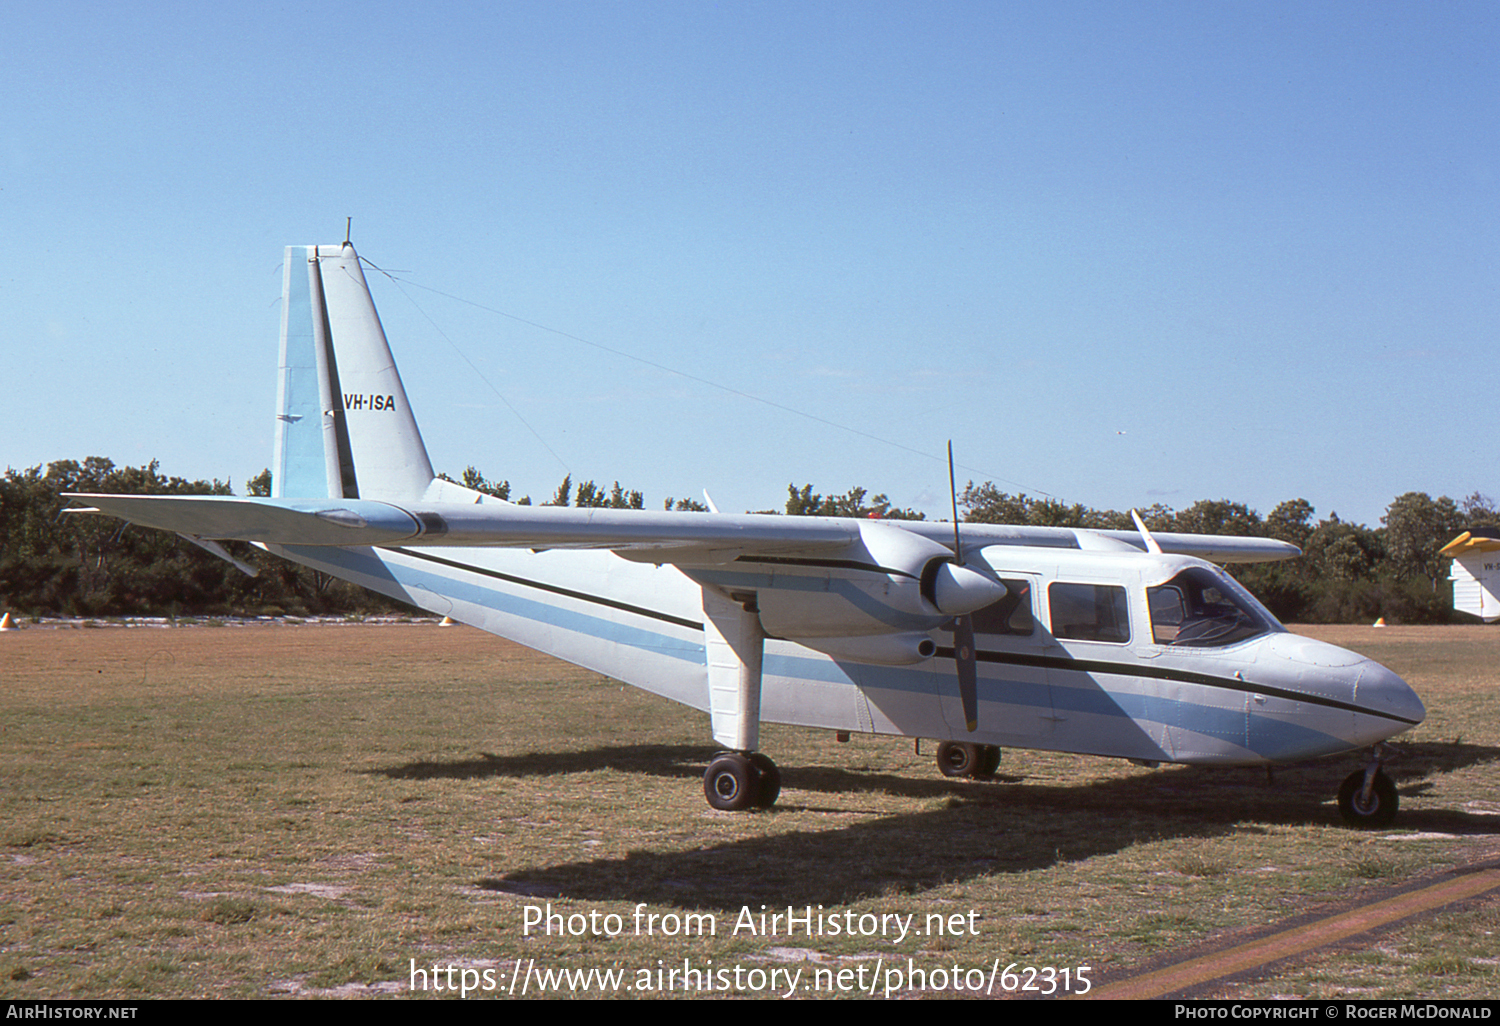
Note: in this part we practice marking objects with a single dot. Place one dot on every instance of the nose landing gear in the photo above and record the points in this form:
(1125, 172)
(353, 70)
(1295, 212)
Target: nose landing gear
(1367, 798)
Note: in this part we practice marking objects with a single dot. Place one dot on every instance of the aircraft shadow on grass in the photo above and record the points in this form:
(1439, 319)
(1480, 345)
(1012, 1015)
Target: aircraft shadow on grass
(981, 829)
(1423, 759)
(657, 760)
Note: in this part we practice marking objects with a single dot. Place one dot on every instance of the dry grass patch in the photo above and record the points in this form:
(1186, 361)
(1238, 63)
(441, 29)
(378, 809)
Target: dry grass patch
(252, 811)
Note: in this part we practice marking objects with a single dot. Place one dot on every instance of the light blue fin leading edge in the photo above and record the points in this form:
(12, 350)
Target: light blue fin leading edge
(298, 468)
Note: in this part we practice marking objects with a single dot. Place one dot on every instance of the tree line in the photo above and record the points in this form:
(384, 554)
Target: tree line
(1348, 573)
(54, 563)
(58, 564)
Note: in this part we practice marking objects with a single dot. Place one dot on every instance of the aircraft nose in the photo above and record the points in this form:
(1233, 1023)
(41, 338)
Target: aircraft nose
(1381, 690)
(1350, 677)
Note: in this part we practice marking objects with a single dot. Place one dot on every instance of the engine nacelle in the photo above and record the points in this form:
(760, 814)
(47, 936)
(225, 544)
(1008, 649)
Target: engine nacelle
(880, 649)
(891, 582)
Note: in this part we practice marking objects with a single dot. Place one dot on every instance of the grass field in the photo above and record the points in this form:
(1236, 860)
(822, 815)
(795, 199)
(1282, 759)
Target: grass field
(251, 811)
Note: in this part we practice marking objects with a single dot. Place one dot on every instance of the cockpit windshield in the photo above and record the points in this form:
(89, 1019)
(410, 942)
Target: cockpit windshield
(1201, 608)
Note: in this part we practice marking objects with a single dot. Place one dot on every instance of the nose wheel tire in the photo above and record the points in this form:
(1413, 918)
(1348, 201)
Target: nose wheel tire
(1368, 811)
(737, 781)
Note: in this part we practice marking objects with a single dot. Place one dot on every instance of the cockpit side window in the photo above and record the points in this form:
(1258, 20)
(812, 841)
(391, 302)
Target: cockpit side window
(1088, 612)
(1011, 615)
(1196, 609)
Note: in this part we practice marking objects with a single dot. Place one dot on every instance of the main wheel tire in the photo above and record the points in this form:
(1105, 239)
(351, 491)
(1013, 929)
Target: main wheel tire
(768, 788)
(1379, 811)
(731, 782)
(958, 759)
(989, 761)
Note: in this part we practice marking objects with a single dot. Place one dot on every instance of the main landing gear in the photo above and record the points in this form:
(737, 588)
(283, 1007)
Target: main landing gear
(1367, 798)
(734, 643)
(736, 781)
(961, 759)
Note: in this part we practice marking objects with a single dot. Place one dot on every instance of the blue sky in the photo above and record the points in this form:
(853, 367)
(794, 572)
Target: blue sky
(1120, 253)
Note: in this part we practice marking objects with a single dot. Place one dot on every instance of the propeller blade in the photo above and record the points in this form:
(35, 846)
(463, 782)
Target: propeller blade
(1140, 525)
(968, 672)
(958, 549)
(963, 626)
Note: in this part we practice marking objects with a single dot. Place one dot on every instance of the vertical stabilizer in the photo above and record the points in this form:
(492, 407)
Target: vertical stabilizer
(344, 427)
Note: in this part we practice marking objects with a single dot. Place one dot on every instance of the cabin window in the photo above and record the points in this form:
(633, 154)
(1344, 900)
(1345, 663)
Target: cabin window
(1011, 615)
(1199, 609)
(1089, 612)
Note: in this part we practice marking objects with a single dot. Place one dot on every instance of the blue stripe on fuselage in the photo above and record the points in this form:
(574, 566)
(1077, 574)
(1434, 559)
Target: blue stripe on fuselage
(1269, 737)
(488, 597)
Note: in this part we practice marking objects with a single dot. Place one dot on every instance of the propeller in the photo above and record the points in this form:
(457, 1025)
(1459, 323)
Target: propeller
(1140, 525)
(963, 626)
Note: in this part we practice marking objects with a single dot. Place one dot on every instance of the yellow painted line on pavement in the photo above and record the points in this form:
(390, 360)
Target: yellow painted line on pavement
(1300, 939)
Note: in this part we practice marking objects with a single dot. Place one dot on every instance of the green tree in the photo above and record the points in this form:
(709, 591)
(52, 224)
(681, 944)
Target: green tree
(589, 497)
(804, 502)
(1218, 517)
(1480, 511)
(1338, 551)
(1416, 527)
(986, 504)
(621, 499)
(474, 479)
(1291, 521)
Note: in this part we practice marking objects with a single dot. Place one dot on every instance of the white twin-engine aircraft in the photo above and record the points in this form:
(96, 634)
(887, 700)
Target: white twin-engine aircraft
(1112, 643)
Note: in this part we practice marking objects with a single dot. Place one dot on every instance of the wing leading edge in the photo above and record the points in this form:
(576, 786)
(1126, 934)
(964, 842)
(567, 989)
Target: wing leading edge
(665, 537)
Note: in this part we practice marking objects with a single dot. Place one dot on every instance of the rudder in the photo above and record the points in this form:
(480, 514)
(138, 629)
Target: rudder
(344, 427)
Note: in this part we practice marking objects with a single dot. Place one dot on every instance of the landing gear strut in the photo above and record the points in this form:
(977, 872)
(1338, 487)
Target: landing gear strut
(961, 759)
(1367, 798)
(736, 781)
(734, 644)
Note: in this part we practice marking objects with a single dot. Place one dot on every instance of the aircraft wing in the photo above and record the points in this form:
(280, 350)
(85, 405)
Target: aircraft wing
(687, 536)
(666, 537)
(1216, 548)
